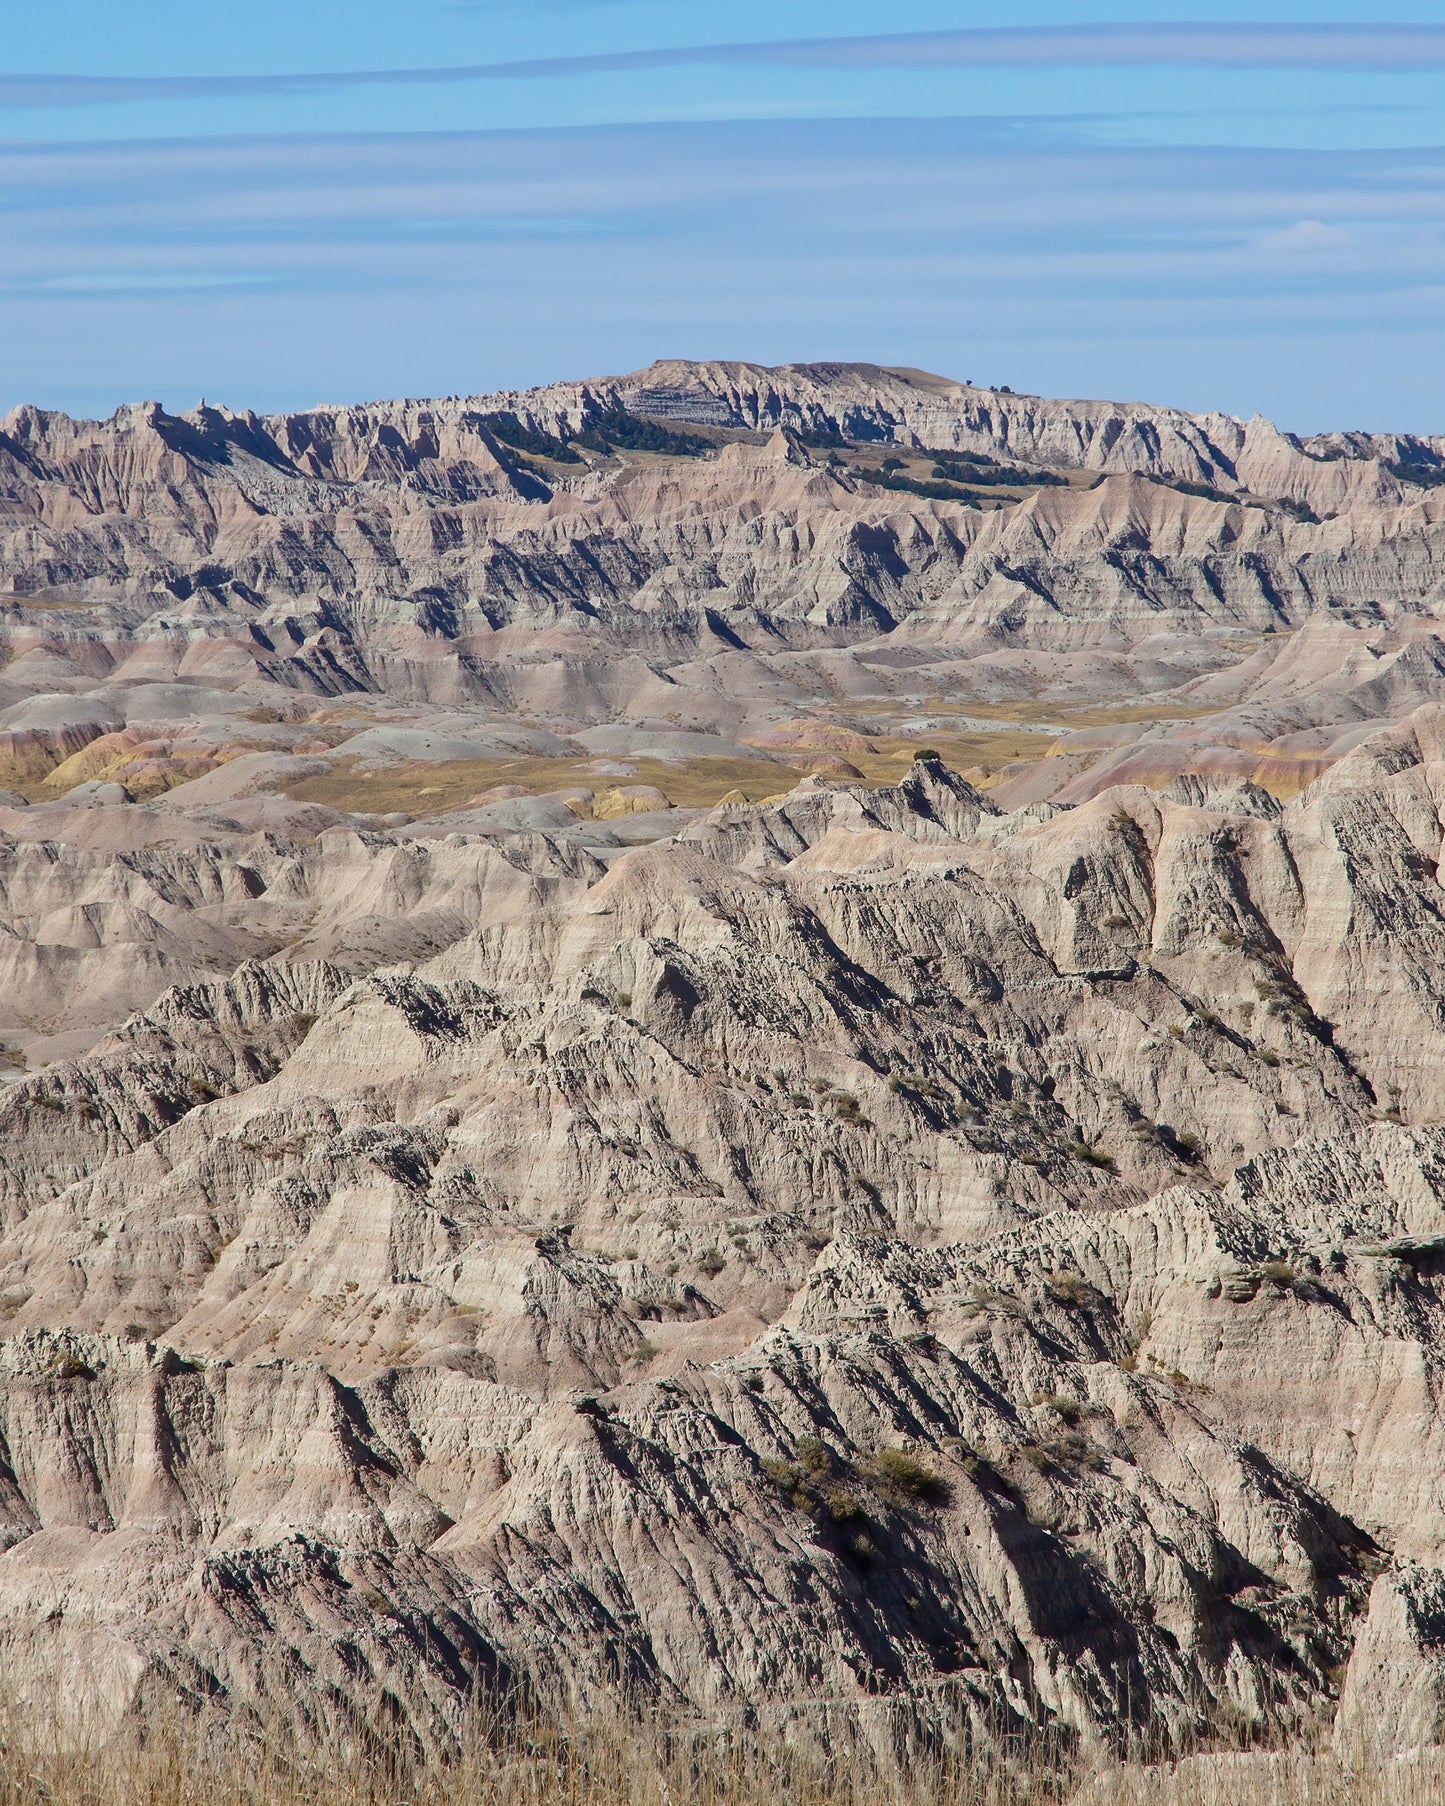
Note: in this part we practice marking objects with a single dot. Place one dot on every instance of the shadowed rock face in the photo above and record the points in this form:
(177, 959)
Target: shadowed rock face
(836, 1254)
(739, 559)
(360, 524)
(482, 1211)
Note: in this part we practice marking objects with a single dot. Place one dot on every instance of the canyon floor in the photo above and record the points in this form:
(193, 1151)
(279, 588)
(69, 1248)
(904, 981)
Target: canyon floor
(765, 1040)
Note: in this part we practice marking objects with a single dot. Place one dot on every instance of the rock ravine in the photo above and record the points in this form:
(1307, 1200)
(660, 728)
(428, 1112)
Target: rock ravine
(769, 1040)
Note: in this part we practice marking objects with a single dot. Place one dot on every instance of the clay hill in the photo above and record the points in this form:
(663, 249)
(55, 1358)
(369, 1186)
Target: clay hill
(752, 1038)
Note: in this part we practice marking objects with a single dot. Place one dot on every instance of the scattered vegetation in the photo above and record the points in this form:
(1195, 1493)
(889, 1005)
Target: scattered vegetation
(1422, 476)
(1282, 996)
(818, 438)
(1073, 1291)
(988, 1299)
(510, 431)
(618, 430)
(928, 488)
(1134, 1340)
(1205, 491)
(835, 1489)
(978, 468)
(1092, 1156)
(899, 1476)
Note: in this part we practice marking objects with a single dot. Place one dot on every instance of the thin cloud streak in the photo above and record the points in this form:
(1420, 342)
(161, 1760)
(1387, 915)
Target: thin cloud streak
(1348, 49)
(271, 269)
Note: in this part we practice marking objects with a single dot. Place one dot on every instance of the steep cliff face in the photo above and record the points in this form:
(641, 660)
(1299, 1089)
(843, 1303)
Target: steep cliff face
(481, 1209)
(710, 548)
(361, 523)
(867, 402)
(872, 1249)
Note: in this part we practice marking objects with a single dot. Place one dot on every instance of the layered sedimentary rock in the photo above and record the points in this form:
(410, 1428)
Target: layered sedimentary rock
(479, 1212)
(737, 556)
(761, 1272)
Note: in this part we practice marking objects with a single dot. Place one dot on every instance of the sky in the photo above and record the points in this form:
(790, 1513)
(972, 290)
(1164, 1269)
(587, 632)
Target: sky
(1234, 206)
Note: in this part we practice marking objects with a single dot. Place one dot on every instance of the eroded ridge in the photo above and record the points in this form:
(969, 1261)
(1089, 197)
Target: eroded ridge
(871, 1252)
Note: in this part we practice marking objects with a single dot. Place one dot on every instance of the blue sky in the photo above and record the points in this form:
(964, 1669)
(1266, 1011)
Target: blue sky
(1238, 207)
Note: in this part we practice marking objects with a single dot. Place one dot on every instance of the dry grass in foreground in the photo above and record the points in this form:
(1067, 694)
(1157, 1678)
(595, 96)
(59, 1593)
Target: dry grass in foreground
(180, 1759)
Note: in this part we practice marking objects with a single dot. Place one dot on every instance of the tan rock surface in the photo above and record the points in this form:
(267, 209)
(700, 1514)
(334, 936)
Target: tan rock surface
(489, 1293)
(903, 1250)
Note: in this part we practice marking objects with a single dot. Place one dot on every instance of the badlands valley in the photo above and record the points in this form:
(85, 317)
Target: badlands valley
(766, 1040)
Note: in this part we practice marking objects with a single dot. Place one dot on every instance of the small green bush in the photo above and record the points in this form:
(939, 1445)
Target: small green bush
(899, 1475)
(1092, 1156)
(1071, 1290)
(813, 1453)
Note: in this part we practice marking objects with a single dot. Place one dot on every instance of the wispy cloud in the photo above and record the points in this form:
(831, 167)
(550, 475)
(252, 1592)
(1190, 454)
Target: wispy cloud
(86, 285)
(274, 268)
(1347, 48)
(1307, 238)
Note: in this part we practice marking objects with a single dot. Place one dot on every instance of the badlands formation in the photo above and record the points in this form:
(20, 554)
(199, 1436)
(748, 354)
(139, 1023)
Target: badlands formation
(772, 1040)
